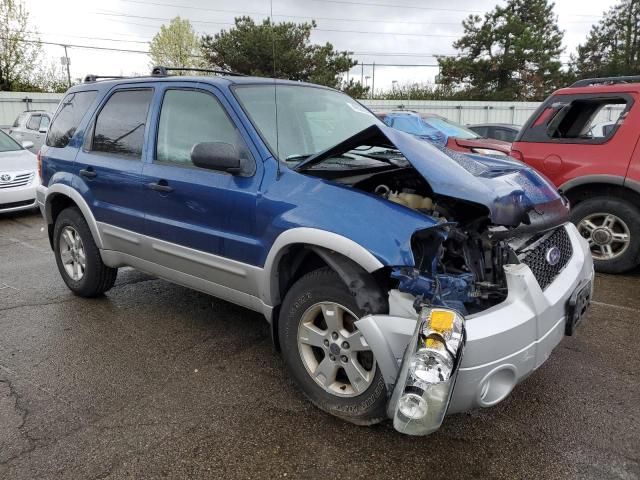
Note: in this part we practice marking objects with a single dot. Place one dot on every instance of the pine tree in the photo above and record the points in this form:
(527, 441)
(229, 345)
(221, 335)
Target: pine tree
(512, 53)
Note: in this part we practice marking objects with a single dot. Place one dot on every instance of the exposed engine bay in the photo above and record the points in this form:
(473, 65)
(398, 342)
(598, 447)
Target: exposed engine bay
(458, 262)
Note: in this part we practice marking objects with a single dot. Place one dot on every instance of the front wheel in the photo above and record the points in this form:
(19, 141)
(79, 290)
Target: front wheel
(612, 228)
(326, 354)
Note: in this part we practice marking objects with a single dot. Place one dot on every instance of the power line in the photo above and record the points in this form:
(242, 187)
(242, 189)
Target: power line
(414, 7)
(344, 2)
(163, 19)
(88, 47)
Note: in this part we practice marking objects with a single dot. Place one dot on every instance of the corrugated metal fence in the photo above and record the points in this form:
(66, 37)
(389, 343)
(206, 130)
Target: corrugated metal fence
(468, 112)
(14, 103)
(464, 112)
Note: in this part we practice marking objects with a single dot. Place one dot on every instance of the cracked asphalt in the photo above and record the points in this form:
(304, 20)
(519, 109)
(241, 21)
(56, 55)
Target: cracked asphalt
(154, 380)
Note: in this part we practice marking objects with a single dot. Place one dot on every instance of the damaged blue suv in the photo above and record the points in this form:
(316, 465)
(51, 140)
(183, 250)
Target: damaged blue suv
(401, 281)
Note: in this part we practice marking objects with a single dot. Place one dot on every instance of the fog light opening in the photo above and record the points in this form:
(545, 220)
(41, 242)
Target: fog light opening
(497, 385)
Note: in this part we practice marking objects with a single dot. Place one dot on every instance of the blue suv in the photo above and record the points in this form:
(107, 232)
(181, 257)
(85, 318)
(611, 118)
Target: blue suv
(389, 270)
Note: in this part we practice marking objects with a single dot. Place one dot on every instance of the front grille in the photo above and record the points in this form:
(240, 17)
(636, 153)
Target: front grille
(21, 179)
(23, 203)
(536, 259)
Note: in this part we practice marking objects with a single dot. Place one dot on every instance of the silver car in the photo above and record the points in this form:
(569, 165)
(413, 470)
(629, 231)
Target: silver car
(18, 175)
(32, 127)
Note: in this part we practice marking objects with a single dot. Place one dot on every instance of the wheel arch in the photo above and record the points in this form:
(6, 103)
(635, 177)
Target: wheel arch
(59, 197)
(308, 249)
(583, 188)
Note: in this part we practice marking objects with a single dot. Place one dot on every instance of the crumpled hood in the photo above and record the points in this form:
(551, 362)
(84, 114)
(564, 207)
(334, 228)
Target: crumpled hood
(512, 192)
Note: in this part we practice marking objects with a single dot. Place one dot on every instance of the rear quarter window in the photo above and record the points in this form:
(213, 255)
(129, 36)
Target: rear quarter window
(577, 119)
(69, 115)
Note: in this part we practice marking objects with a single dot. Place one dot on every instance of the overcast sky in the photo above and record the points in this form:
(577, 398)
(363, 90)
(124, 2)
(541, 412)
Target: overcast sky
(403, 32)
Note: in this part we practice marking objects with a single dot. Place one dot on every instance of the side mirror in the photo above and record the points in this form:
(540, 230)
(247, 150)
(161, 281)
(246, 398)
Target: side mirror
(27, 144)
(216, 156)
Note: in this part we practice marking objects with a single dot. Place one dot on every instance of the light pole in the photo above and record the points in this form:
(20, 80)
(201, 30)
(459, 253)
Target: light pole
(66, 62)
(366, 83)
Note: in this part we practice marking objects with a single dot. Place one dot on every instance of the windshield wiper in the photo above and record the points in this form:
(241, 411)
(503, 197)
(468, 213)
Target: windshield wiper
(297, 157)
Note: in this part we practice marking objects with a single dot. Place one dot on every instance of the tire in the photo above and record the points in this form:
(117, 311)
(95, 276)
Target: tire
(95, 278)
(615, 219)
(361, 406)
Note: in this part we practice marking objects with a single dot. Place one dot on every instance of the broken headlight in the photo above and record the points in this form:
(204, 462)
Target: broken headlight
(428, 373)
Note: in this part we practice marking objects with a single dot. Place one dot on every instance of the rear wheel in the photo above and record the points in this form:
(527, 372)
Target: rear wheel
(612, 228)
(78, 257)
(326, 354)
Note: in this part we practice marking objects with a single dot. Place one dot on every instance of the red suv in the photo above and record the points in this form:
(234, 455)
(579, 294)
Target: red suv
(584, 138)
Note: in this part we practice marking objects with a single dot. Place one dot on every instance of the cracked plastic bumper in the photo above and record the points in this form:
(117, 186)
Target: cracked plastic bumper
(504, 344)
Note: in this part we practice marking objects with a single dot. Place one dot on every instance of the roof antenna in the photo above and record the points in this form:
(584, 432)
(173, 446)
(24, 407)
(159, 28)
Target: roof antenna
(275, 88)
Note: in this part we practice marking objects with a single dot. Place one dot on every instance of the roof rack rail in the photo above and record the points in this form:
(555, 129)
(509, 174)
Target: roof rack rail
(93, 78)
(606, 80)
(160, 71)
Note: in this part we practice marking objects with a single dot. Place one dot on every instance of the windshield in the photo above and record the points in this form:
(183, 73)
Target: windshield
(8, 144)
(309, 119)
(450, 129)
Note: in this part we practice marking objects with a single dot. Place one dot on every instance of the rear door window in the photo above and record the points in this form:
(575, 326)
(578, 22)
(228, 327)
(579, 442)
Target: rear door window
(68, 117)
(120, 125)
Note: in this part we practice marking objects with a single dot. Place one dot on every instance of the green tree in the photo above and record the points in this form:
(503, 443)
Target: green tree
(613, 44)
(175, 45)
(249, 48)
(19, 49)
(512, 53)
(354, 89)
(43, 77)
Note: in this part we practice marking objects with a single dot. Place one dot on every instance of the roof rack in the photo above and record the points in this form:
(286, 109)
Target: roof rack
(587, 82)
(93, 78)
(160, 71)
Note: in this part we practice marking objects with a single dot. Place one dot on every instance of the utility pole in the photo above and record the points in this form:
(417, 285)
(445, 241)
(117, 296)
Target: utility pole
(66, 62)
(373, 79)
(362, 74)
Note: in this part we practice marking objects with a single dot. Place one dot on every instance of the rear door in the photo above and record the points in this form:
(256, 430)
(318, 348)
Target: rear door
(559, 139)
(208, 211)
(109, 165)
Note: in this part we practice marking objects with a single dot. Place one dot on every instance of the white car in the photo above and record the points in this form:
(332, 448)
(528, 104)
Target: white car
(18, 175)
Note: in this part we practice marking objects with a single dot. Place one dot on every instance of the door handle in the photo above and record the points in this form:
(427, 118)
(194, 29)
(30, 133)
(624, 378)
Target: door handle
(160, 186)
(88, 172)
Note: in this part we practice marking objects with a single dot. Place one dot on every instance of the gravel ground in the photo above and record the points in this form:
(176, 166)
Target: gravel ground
(155, 380)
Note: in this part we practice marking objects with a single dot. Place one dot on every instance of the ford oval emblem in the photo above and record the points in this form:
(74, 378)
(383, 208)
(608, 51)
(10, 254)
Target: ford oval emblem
(552, 256)
(5, 177)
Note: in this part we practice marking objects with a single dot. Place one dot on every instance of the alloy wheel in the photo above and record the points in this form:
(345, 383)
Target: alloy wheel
(72, 253)
(333, 351)
(608, 235)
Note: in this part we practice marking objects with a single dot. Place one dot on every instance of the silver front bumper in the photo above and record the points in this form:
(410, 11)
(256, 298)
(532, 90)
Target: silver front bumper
(504, 344)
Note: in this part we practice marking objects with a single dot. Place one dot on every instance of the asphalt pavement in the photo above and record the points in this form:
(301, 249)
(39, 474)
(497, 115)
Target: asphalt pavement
(155, 380)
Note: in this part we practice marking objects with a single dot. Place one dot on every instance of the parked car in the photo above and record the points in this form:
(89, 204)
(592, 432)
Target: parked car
(444, 132)
(596, 163)
(375, 256)
(505, 132)
(31, 127)
(18, 175)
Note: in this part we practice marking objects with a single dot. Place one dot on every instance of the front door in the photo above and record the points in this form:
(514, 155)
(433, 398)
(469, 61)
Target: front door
(196, 212)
